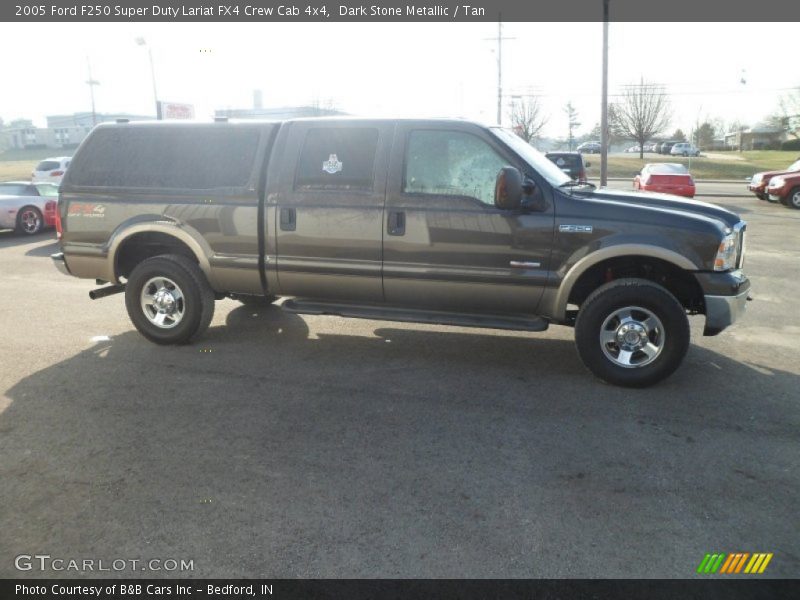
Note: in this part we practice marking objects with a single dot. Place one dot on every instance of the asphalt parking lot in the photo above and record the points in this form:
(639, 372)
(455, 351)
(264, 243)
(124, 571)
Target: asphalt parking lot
(281, 446)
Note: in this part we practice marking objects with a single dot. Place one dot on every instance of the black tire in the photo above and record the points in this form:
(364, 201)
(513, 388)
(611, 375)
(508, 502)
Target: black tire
(249, 300)
(29, 220)
(793, 198)
(614, 297)
(197, 298)
(761, 196)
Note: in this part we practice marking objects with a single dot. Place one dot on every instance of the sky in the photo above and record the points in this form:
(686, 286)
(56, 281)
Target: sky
(403, 70)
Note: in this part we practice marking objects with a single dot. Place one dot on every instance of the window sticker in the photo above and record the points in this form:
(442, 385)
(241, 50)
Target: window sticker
(332, 165)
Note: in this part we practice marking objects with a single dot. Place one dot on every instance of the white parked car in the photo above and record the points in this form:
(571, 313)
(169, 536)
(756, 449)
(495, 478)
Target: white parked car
(51, 170)
(684, 149)
(28, 207)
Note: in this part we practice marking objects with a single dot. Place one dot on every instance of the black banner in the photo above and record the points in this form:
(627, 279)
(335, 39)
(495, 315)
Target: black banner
(463, 11)
(363, 589)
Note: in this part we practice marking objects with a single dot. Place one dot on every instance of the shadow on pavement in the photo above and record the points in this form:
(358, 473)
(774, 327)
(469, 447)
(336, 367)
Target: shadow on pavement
(266, 449)
(10, 238)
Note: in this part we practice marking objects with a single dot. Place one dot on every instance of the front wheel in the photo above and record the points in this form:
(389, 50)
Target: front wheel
(632, 333)
(794, 198)
(169, 299)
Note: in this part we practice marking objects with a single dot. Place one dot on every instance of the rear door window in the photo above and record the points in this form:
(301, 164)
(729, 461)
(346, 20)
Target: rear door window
(48, 165)
(191, 158)
(338, 158)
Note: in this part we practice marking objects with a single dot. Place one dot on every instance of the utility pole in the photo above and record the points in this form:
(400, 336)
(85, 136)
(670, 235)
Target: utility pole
(499, 40)
(91, 83)
(604, 103)
(143, 42)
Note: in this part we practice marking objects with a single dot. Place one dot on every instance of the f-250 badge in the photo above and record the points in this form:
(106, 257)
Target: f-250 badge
(332, 165)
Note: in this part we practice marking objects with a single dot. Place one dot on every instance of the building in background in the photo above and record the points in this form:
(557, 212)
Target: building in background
(62, 131)
(277, 113)
(761, 136)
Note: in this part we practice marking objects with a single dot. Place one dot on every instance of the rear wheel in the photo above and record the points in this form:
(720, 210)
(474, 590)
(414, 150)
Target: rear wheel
(169, 299)
(29, 220)
(632, 332)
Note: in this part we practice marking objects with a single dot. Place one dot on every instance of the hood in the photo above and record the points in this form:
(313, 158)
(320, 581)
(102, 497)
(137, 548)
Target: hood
(673, 204)
(767, 175)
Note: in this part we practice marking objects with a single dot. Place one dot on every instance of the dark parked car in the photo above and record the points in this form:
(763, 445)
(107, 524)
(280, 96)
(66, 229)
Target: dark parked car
(785, 189)
(759, 182)
(666, 147)
(430, 221)
(571, 163)
(590, 148)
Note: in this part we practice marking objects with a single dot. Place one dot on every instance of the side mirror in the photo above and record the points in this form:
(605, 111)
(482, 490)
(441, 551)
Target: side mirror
(587, 164)
(508, 188)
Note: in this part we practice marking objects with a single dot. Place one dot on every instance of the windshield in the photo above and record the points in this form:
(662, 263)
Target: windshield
(532, 156)
(795, 166)
(47, 189)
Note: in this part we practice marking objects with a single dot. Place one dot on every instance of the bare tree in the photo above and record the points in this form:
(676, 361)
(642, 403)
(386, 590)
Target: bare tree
(642, 111)
(527, 118)
(788, 116)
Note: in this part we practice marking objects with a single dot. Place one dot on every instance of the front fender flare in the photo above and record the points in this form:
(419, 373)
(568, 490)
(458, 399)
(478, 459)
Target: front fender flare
(561, 297)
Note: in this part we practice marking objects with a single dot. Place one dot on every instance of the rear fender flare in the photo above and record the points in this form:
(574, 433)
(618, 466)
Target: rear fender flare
(180, 231)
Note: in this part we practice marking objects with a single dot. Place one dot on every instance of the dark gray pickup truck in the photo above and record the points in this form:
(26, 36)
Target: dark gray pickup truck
(430, 221)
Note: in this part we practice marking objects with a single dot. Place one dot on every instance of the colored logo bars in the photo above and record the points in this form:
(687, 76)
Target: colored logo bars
(739, 562)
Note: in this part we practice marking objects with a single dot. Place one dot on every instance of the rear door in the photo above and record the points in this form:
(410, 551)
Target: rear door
(327, 214)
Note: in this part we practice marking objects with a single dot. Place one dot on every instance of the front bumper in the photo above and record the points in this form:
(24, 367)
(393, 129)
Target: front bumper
(60, 263)
(726, 296)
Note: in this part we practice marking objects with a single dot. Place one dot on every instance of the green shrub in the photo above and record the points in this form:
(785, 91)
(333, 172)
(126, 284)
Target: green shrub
(791, 145)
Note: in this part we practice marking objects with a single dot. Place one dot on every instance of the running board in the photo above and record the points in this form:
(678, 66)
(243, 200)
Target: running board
(410, 315)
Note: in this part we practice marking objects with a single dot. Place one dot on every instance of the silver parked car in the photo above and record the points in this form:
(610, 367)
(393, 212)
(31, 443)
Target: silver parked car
(684, 149)
(27, 207)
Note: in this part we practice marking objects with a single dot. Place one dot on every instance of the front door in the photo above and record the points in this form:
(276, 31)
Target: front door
(446, 246)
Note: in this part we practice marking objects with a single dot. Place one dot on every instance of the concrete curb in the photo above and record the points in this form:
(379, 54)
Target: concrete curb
(742, 181)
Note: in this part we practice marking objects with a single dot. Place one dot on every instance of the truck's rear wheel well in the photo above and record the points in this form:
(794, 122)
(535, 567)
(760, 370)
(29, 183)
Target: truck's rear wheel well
(681, 283)
(142, 246)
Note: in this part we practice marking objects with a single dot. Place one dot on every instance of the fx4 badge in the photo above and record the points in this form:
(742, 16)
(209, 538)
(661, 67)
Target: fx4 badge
(575, 228)
(332, 165)
(86, 209)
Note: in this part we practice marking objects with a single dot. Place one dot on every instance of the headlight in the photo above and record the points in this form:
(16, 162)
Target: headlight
(726, 253)
(777, 182)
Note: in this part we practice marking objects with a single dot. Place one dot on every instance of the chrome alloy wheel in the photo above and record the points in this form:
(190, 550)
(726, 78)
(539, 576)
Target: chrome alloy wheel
(30, 220)
(162, 302)
(632, 337)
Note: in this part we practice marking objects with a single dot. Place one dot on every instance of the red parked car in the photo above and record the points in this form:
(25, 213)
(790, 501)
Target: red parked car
(785, 189)
(758, 184)
(665, 178)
